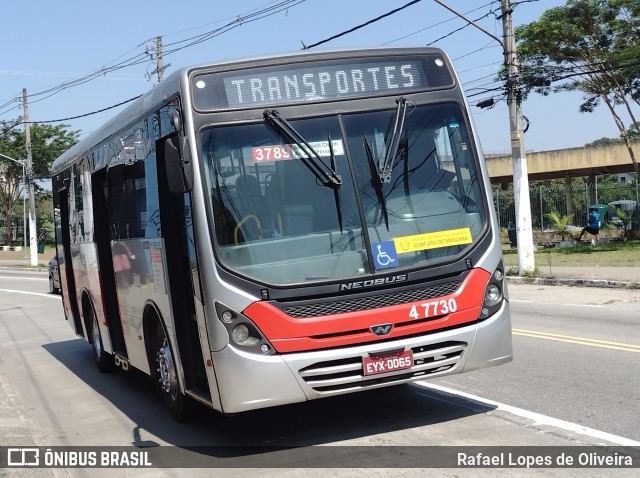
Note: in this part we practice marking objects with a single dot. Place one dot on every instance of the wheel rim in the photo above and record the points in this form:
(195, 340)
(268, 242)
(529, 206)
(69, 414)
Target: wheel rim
(167, 370)
(50, 284)
(97, 345)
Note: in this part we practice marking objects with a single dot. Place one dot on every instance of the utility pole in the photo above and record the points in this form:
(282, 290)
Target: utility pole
(524, 232)
(33, 236)
(159, 68)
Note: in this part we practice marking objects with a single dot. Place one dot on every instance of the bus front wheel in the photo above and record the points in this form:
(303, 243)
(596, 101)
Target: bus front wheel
(167, 376)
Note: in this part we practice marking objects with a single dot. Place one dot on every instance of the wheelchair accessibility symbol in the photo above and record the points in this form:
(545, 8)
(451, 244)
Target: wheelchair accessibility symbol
(384, 254)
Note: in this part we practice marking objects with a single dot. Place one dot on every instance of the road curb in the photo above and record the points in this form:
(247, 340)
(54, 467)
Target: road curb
(601, 283)
(40, 268)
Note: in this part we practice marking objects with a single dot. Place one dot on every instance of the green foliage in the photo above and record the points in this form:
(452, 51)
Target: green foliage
(632, 133)
(47, 143)
(594, 41)
(604, 141)
(589, 46)
(560, 223)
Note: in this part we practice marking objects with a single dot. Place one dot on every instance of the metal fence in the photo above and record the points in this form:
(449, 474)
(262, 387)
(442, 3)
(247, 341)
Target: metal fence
(548, 196)
(545, 196)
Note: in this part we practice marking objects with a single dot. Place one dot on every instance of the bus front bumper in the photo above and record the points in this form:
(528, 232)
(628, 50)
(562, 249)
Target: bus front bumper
(247, 381)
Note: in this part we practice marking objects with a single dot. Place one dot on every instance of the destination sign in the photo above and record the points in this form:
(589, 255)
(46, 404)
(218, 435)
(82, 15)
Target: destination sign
(316, 81)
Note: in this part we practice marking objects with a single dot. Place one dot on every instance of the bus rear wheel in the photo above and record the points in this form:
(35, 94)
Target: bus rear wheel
(167, 376)
(102, 358)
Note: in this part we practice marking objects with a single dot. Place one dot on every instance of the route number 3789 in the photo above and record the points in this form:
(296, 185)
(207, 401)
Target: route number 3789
(433, 308)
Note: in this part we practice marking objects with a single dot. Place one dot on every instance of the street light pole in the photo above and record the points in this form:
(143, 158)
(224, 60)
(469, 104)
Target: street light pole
(33, 235)
(524, 232)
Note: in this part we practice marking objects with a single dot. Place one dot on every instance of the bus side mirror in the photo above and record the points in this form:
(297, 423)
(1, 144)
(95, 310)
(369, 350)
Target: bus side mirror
(178, 163)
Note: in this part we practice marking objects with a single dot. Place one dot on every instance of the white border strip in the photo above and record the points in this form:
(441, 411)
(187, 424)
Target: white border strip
(537, 418)
(40, 294)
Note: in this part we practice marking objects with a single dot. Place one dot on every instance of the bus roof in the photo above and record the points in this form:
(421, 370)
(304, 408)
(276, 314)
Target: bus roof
(170, 86)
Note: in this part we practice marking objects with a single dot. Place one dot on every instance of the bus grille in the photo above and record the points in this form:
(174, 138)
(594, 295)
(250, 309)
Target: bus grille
(347, 374)
(370, 301)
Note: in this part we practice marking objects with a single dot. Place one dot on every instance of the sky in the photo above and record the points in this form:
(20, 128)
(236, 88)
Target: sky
(50, 44)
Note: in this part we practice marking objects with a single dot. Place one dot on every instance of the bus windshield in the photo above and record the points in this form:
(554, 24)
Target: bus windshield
(275, 222)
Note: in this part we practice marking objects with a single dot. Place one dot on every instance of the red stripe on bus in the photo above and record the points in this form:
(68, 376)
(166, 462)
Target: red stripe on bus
(288, 334)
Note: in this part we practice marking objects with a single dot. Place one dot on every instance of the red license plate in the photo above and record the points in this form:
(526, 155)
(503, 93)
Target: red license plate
(387, 363)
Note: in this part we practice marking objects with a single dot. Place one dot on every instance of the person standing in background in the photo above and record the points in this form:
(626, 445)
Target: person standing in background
(593, 225)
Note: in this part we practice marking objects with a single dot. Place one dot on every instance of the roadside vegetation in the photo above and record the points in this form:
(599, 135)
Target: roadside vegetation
(614, 254)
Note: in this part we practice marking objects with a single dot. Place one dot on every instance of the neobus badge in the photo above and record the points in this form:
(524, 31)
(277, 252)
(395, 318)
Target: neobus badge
(373, 282)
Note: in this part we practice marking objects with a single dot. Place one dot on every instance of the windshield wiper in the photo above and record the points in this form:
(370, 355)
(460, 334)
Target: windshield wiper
(336, 191)
(376, 180)
(392, 149)
(311, 159)
(327, 175)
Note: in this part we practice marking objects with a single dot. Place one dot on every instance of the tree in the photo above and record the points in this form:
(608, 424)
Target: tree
(47, 143)
(590, 46)
(632, 132)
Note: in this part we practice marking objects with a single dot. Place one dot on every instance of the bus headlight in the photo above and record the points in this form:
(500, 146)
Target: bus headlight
(242, 331)
(493, 293)
(240, 334)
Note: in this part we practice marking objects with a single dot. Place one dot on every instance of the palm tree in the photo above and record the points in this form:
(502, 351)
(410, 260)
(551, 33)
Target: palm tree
(560, 224)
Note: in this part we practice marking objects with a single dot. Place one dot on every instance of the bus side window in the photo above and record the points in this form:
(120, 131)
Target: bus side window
(113, 196)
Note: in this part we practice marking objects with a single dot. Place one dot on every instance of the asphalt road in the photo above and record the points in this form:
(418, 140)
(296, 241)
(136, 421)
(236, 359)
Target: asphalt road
(576, 355)
(574, 381)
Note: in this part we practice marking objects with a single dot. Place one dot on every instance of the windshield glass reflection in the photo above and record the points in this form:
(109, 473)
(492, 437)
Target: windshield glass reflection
(278, 223)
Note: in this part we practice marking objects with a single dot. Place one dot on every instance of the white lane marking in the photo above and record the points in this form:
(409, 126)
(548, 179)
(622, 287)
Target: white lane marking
(539, 419)
(551, 303)
(23, 278)
(40, 294)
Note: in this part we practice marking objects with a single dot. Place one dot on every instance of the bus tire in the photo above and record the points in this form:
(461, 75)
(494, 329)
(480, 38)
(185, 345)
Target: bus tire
(104, 360)
(167, 375)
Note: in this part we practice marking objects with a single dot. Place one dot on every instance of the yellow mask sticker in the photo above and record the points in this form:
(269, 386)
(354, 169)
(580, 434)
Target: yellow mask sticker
(433, 240)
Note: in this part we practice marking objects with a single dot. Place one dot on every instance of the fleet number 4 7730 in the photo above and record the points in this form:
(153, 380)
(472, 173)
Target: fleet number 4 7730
(433, 308)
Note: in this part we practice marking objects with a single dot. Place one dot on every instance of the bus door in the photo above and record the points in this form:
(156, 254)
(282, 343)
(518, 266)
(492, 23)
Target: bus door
(65, 265)
(177, 233)
(102, 237)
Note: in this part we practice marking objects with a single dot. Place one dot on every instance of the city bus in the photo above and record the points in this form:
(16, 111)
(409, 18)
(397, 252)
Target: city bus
(273, 230)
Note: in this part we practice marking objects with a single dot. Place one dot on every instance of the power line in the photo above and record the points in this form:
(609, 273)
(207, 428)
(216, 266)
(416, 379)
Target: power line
(488, 45)
(239, 20)
(436, 24)
(72, 117)
(141, 58)
(89, 114)
(362, 25)
(458, 29)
